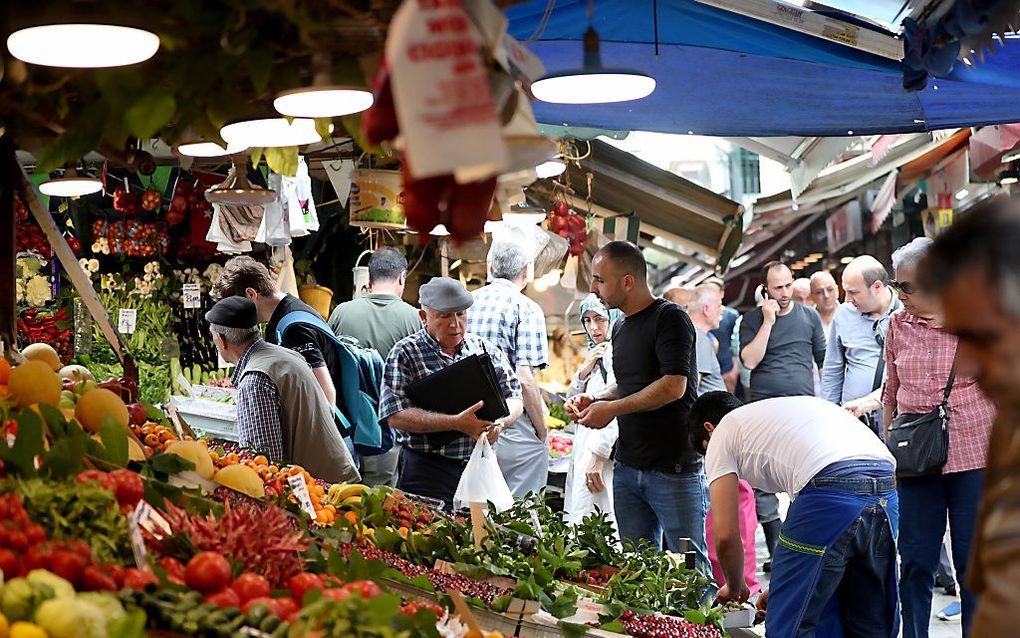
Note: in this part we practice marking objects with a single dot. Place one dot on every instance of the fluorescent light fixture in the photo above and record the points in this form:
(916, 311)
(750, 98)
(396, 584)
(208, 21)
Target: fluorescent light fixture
(440, 229)
(323, 101)
(593, 83)
(524, 216)
(1007, 180)
(846, 260)
(270, 132)
(962, 193)
(207, 149)
(71, 186)
(82, 46)
(548, 280)
(552, 168)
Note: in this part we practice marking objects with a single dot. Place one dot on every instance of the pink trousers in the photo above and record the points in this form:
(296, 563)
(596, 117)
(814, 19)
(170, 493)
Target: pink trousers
(748, 526)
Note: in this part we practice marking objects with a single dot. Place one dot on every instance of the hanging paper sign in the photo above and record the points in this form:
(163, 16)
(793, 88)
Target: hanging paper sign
(126, 321)
(192, 296)
(297, 485)
(444, 105)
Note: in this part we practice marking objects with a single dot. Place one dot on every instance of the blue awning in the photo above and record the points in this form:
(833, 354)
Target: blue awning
(723, 74)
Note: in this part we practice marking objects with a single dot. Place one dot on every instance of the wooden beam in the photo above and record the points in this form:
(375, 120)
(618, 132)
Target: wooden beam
(675, 254)
(815, 24)
(81, 282)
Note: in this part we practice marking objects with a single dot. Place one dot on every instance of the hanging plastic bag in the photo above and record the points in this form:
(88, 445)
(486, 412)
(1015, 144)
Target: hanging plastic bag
(482, 480)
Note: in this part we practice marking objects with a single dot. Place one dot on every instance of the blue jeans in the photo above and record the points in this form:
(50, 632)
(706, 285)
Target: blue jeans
(924, 504)
(650, 503)
(834, 572)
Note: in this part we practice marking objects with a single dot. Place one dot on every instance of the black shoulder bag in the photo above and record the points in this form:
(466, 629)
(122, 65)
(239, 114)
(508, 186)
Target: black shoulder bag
(920, 442)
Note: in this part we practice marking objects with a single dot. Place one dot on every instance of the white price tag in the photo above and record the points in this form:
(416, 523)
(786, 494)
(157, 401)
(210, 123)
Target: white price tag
(141, 553)
(127, 320)
(297, 485)
(192, 296)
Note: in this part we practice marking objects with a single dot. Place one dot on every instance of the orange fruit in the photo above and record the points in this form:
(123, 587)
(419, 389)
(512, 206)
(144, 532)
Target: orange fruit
(261, 460)
(95, 405)
(352, 517)
(36, 382)
(321, 517)
(5, 370)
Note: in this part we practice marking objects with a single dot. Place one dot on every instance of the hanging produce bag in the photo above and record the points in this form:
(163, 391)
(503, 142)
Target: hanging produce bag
(482, 480)
(444, 104)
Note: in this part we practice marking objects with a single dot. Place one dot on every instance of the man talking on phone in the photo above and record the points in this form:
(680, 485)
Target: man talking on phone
(780, 343)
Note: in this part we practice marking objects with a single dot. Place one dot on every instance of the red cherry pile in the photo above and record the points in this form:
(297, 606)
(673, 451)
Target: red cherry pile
(649, 626)
(441, 581)
(569, 225)
(593, 577)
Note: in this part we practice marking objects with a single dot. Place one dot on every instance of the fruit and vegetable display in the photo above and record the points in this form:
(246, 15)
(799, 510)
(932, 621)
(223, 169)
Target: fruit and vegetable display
(115, 524)
(560, 445)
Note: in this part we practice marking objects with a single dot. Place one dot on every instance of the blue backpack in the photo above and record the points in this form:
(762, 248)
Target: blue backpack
(359, 387)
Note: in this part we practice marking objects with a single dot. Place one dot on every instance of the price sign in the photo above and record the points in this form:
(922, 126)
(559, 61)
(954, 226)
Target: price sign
(138, 548)
(126, 321)
(192, 296)
(297, 485)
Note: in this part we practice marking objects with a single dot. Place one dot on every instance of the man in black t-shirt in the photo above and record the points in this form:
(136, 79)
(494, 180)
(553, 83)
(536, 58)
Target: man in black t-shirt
(659, 484)
(245, 277)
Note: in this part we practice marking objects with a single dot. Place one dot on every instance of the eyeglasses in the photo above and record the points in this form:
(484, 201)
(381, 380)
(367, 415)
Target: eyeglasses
(905, 287)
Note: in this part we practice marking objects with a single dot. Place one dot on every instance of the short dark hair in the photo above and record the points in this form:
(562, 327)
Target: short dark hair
(239, 274)
(710, 407)
(386, 264)
(985, 240)
(627, 256)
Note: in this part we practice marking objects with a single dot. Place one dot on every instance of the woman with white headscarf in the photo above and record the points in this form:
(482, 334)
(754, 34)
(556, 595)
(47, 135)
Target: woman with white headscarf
(589, 482)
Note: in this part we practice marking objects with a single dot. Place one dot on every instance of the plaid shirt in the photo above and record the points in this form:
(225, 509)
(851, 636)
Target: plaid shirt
(258, 409)
(918, 359)
(513, 322)
(420, 355)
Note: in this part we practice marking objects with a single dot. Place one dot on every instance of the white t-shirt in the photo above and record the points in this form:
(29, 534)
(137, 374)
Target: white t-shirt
(778, 445)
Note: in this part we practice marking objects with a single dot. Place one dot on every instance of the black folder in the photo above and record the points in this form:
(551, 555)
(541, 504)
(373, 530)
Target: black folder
(459, 386)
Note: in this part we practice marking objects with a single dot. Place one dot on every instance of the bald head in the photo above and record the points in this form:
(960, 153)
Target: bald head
(802, 292)
(824, 292)
(864, 283)
(679, 296)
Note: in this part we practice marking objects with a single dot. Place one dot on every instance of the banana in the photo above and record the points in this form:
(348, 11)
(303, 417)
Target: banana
(333, 495)
(350, 501)
(352, 490)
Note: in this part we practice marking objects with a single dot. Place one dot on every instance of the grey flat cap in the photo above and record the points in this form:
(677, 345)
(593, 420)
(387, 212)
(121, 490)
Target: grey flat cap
(444, 294)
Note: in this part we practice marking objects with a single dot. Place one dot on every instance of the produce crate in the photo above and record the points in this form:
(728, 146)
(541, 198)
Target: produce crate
(207, 416)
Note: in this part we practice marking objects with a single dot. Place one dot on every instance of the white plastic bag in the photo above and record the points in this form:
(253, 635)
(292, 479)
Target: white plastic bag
(482, 480)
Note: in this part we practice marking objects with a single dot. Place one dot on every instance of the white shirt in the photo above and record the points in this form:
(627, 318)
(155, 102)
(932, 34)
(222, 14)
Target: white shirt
(778, 445)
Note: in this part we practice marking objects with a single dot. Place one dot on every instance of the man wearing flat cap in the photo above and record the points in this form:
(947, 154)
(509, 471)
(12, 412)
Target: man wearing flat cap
(436, 447)
(281, 410)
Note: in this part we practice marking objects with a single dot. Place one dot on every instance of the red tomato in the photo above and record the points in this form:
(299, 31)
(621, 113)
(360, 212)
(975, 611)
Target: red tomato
(10, 567)
(69, 566)
(81, 548)
(17, 540)
(207, 572)
(95, 475)
(363, 588)
(299, 584)
(139, 578)
(262, 600)
(38, 557)
(225, 598)
(36, 534)
(173, 568)
(127, 487)
(95, 580)
(249, 585)
(286, 606)
(336, 594)
(116, 572)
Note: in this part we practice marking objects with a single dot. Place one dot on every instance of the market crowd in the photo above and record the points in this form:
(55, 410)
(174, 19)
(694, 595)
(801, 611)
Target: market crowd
(873, 415)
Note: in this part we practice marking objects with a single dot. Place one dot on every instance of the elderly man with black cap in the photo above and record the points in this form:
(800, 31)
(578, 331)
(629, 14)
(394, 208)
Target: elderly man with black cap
(436, 447)
(281, 410)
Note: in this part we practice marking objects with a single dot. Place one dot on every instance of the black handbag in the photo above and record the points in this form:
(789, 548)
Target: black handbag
(920, 442)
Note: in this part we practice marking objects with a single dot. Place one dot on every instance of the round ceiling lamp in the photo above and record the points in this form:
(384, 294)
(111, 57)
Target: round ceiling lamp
(270, 132)
(71, 185)
(552, 168)
(237, 190)
(323, 101)
(593, 83)
(201, 148)
(82, 46)
(524, 216)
